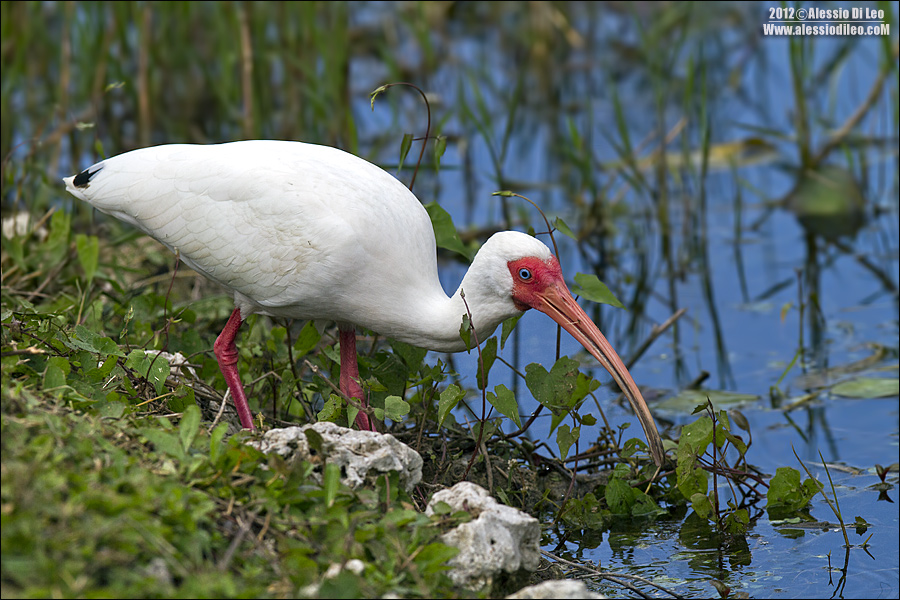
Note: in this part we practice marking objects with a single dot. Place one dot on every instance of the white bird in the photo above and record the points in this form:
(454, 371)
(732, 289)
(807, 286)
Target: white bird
(311, 232)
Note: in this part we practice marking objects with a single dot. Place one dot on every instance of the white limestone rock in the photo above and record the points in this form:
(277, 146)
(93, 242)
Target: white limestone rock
(498, 539)
(361, 455)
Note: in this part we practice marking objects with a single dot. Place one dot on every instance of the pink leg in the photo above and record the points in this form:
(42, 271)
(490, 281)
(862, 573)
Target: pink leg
(350, 375)
(227, 355)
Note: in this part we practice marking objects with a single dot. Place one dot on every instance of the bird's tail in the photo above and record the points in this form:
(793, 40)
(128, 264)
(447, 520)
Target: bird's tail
(77, 184)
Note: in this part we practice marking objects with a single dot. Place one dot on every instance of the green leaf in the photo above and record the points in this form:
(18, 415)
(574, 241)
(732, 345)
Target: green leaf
(561, 389)
(697, 436)
(701, 505)
(57, 243)
(687, 400)
(450, 397)
(645, 506)
(434, 556)
(157, 372)
(445, 233)
(867, 387)
(314, 439)
(189, 426)
(591, 288)
(561, 226)
(307, 339)
(487, 357)
(391, 372)
(465, 330)
(331, 483)
(375, 93)
(215, 442)
(440, 146)
(505, 402)
(412, 356)
(85, 339)
(98, 374)
(405, 145)
(737, 521)
(88, 254)
(787, 495)
(165, 442)
(565, 438)
(181, 399)
(489, 428)
(154, 368)
(16, 248)
(395, 408)
(507, 328)
(55, 373)
(735, 440)
(619, 496)
(331, 411)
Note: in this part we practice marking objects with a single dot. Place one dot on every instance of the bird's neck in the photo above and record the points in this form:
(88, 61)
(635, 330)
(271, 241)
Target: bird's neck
(440, 323)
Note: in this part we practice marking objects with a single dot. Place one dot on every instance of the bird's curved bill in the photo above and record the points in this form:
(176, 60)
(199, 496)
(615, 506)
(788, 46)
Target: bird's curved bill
(557, 302)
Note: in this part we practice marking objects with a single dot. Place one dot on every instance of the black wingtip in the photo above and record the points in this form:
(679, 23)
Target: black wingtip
(82, 179)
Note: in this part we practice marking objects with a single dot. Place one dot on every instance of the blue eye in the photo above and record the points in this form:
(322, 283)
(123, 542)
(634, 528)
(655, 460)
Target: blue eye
(524, 274)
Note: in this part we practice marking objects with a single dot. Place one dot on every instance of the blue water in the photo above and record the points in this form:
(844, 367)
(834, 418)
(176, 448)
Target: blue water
(737, 282)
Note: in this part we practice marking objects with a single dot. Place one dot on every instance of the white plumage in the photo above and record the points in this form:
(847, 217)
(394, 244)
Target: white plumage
(311, 232)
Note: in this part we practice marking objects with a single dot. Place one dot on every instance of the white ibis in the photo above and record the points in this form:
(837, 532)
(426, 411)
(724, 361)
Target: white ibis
(311, 232)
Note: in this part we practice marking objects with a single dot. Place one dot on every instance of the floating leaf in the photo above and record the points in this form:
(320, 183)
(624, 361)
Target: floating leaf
(687, 400)
(868, 387)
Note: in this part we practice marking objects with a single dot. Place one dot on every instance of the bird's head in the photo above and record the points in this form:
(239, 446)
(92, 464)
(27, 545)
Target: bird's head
(535, 280)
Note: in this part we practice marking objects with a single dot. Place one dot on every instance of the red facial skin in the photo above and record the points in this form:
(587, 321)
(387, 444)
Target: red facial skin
(539, 284)
(526, 292)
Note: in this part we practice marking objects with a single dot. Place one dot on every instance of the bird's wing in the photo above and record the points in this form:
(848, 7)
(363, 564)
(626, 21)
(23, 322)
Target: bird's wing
(295, 228)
